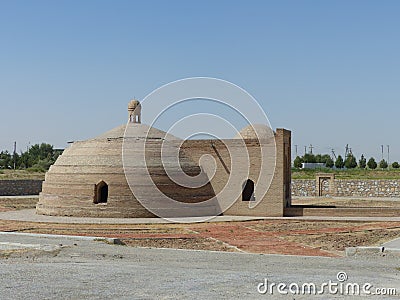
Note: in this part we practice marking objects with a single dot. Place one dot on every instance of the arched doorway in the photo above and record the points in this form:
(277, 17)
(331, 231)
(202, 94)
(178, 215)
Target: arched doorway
(101, 192)
(248, 191)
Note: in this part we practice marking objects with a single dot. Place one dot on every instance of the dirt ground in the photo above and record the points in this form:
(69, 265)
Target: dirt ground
(17, 203)
(294, 237)
(314, 238)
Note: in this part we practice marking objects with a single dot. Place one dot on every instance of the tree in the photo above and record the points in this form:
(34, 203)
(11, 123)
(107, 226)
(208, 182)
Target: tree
(350, 162)
(298, 162)
(6, 160)
(395, 165)
(339, 163)
(39, 156)
(362, 162)
(322, 158)
(372, 164)
(329, 162)
(383, 164)
(309, 158)
(325, 158)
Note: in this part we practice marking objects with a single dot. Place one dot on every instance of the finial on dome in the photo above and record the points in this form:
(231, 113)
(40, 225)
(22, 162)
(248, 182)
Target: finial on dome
(134, 111)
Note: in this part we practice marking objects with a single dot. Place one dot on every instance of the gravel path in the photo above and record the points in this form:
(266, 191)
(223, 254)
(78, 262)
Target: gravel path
(29, 215)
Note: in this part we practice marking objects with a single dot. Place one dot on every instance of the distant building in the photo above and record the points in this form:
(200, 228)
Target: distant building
(313, 165)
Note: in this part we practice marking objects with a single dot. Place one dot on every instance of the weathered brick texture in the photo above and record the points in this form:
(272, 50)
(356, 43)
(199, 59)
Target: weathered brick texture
(70, 184)
(20, 187)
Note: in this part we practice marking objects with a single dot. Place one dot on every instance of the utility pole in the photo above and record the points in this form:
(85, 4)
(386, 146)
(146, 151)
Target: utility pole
(388, 149)
(296, 149)
(305, 150)
(15, 155)
(334, 154)
(382, 151)
(311, 148)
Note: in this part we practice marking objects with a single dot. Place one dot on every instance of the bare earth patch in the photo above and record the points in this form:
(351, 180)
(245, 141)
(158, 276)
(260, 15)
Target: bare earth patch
(17, 203)
(294, 237)
(337, 242)
(180, 243)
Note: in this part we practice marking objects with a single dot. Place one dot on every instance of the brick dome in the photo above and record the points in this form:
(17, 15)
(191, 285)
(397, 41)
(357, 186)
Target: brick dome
(255, 131)
(88, 179)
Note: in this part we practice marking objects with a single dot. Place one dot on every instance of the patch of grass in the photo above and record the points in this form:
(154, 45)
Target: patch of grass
(36, 170)
(21, 174)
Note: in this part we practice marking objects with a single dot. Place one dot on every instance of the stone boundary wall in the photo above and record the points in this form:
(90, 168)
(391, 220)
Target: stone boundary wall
(349, 188)
(304, 188)
(20, 187)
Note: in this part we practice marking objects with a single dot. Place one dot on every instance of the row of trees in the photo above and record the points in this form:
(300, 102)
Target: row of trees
(349, 163)
(38, 157)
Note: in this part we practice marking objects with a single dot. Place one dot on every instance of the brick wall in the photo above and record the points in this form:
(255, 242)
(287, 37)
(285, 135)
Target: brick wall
(20, 187)
(278, 195)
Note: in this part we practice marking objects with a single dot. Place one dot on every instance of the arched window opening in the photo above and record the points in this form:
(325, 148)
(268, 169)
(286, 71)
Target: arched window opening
(248, 191)
(101, 192)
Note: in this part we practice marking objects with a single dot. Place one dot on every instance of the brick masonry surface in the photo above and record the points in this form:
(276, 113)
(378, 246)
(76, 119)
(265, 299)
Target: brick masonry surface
(20, 187)
(348, 188)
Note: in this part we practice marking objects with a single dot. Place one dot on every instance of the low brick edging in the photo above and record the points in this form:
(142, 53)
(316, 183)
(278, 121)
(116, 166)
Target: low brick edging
(367, 188)
(20, 187)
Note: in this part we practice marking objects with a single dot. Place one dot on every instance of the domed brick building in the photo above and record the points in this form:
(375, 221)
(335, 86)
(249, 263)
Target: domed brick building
(90, 179)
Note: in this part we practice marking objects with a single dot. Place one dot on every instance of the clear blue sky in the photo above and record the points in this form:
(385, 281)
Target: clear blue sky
(327, 70)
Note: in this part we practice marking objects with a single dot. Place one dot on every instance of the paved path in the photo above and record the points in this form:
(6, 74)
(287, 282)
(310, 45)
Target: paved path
(95, 270)
(394, 244)
(30, 215)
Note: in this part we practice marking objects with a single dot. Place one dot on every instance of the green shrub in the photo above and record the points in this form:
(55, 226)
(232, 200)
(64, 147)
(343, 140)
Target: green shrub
(395, 165)
(383, 164)
(350, 162)
(363, 162)
(339, 163)
(329, 162)
(372, 163)
(297, 163)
